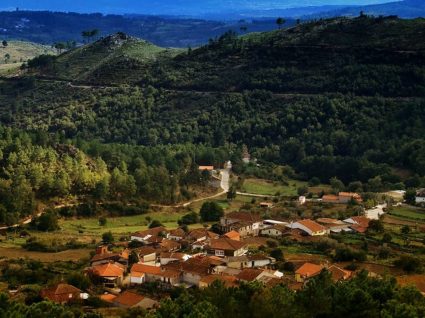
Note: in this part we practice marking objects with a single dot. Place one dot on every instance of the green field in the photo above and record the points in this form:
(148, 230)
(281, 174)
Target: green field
(119, 225)
(409, 213)
(265, 187)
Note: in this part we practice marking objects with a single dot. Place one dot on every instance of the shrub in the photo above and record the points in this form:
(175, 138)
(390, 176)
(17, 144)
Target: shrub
(102, 221)
(409, 264)
(190, 218)
(107, 237)
(155, 223)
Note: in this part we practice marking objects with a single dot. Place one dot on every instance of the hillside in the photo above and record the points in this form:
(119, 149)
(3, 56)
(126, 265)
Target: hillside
(18, 52)
(329, 98)
(364, 56)
(405, 9)
(85, 62)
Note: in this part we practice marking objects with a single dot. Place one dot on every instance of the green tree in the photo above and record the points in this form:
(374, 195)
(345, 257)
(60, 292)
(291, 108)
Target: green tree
(79, 280)
(60, 46)
(231, 194)
(376, 226)
(47, 222)
(410, 196)
(211, 212)
(280, 22)
(337, 185)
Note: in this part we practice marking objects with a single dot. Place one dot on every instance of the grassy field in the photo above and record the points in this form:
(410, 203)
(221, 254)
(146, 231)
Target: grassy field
(407, 212)
(19, 52)
(65, 256)
(265, 187)
(119, 225)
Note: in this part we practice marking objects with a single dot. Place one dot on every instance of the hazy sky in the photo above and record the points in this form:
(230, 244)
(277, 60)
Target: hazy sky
(170, 6)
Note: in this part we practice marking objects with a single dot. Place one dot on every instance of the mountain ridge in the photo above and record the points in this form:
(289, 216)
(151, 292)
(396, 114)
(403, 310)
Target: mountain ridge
(306, 58)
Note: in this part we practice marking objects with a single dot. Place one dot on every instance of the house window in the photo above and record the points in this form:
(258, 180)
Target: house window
(219, 253)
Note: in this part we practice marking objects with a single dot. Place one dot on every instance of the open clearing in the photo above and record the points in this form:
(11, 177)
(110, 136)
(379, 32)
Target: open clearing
(407, 212)
(265, 187)
(68, 255)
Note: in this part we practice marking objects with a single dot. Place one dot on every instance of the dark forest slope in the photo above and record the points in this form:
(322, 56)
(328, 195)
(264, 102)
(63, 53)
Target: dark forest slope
(364, 56)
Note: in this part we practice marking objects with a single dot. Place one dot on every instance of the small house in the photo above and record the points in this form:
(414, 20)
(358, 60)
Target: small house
(309, 227)
(307, 271)
(63, 293)
(129, 299)
(226, 247)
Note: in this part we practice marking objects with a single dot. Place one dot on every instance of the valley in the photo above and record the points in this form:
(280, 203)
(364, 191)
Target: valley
(278, 174)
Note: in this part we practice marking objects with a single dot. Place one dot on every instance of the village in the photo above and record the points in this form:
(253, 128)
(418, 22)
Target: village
(200, 257)
(242, 247)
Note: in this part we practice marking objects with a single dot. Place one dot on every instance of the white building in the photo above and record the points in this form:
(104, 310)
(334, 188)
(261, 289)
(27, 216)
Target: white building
(420, 197)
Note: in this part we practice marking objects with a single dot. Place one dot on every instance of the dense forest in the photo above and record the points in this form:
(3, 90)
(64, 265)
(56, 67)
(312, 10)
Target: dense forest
(141, 117)
(36, 166)
(362, 56)
(354, 138)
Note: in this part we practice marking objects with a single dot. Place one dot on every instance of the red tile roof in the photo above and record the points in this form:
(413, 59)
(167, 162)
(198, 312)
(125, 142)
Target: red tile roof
(108, 298)
(178, 232)
(339, 274)
(60, 292)
(309, 270)
(208, 168)
(178, 256)
(153, 232)
(200, 233)
(108, 270)
(226, 244)
(312, 226)
(361, 221)
(350, 195)
(233, 235)
(170, 245)
(330, 198)
(243, 216)
(128, 299)
(146, 250)
(228, 281)
(146, 269)
(249, 274)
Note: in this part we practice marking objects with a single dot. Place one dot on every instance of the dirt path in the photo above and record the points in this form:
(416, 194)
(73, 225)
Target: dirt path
(255, 195)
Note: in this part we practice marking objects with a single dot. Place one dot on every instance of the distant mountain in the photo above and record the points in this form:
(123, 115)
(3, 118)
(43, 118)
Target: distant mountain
(195, 8)
(49, 27)
(404, 9)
